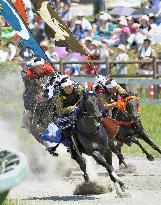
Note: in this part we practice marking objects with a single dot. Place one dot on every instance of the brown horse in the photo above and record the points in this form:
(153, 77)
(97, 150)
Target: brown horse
(131, 128)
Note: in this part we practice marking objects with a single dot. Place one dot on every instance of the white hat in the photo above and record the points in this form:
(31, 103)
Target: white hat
(123, 22)
(145, 17)
(66, 82)
(78, 22)
(121, 18)
(100, 79)
(37, 61)
(103, 17)
(88, 38)
(122, 47)
(95, 42)
(111, 84)
(151, 14)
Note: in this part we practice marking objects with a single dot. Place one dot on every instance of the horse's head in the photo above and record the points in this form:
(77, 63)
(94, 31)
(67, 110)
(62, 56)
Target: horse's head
(132, 106)
(90, 106)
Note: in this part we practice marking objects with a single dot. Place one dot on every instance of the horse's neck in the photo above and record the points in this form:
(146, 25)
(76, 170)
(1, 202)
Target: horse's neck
(122, 116)
(87, 125)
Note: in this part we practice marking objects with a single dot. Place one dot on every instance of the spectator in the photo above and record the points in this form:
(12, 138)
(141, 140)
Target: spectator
(132, 25)
(104, 56)
(78, 30)
(73, 69)
(146, 53)
(141, 33)
(121, 69)
(94, 54)
(104, 26)
(66, 14)
(86, 25)
(121, 34)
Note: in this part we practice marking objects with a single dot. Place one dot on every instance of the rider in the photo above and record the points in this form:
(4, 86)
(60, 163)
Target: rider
(70, 94)
(108, 91)
(34, 77)
(66, 106)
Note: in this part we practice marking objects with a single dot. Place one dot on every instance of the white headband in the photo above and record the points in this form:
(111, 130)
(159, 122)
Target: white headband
(112, 84)
(67, 83)
(40, 62)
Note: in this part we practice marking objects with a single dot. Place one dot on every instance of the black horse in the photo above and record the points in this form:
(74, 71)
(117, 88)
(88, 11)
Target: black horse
(90, 137)
(131, 128)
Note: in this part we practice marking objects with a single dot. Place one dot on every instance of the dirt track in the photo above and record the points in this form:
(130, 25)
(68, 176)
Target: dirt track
(144, 186)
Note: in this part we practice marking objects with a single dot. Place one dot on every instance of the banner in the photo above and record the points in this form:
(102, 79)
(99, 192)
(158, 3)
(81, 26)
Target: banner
(56, 28)
(18, 4)
(13, 18)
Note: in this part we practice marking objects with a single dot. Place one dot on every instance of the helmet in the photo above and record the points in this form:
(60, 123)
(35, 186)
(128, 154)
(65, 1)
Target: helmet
(100, 81)
(36, 61)
(110, 84)
(66, 81)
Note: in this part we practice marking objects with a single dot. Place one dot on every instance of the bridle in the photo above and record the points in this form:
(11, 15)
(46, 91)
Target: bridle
(122, 106)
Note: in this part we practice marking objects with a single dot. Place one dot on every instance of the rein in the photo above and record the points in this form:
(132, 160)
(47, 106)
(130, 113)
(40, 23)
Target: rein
(122, 107)
(122, 103)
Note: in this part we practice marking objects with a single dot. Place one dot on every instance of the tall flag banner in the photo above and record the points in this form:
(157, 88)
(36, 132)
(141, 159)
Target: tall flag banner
(18, 4)
(13, 18)
(56, 28)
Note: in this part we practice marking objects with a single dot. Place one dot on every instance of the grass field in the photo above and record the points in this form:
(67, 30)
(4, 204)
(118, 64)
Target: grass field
(150, 116)
(12, 202)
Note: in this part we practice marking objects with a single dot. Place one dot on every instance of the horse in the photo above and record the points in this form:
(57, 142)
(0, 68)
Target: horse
(90, 137)
(131, 128)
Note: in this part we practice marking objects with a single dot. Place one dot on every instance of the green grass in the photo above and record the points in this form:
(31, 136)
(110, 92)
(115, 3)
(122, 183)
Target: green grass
(150, 116)
(9, 66)
(12, 202)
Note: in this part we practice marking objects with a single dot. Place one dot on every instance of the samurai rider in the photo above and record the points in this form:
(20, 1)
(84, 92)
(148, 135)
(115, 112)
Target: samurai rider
(108, 91)
(35, 77)
(61, 129)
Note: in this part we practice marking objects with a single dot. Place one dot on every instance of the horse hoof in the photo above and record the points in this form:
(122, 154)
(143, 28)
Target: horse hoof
(150, 158)
(123, 195)
(123, 187)
(121, 191)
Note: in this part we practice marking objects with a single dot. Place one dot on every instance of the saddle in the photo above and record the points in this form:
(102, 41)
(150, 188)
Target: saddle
(111, 126)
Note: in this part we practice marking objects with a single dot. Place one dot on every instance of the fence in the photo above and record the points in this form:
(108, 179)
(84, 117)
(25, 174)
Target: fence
(153, 79)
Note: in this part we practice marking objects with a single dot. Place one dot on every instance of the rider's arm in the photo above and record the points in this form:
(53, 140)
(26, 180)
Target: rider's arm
(59, 106)
(108, 106)
(104, 104)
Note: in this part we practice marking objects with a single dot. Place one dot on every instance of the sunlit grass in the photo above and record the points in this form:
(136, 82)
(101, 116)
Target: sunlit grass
(13, 202)
(150, 117)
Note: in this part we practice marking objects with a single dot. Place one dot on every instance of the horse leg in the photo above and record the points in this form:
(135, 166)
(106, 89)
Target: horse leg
(115, 149)
(81, 161)
(144, 136)
(120, 156)
(149, 156)
(108, 156)
(101, 160)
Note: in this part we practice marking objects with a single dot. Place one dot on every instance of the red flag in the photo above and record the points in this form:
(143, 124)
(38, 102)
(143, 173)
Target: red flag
(18, 4)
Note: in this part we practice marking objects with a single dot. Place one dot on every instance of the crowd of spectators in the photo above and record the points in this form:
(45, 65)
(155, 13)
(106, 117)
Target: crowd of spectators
(101, 37)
